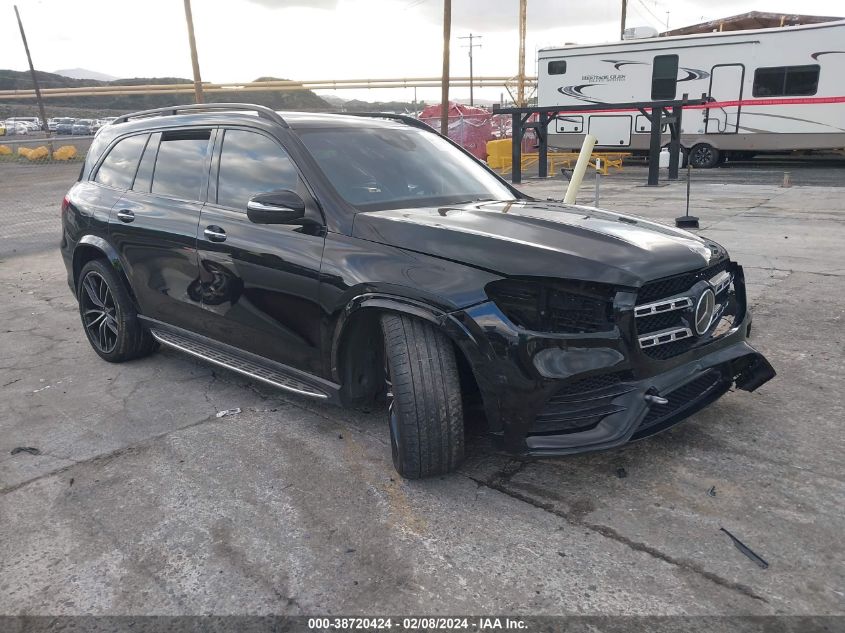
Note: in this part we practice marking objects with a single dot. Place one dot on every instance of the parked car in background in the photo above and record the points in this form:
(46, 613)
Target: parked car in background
(32, 123)
(366, 259)
(2, 129)
(16, 127)
(83, 127)
(64, 125)
(51, 124)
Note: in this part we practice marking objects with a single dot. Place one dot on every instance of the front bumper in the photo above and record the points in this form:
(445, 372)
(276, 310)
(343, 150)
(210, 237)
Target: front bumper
(547, 394)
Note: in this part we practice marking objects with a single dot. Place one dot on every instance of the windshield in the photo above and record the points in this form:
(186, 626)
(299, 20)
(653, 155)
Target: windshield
(390, 168)
(84, 122)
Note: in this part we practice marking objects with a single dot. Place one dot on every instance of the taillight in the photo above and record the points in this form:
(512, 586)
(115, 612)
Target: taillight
(65, 204)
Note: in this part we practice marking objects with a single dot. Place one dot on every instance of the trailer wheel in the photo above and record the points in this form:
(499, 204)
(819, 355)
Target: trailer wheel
(704, 156)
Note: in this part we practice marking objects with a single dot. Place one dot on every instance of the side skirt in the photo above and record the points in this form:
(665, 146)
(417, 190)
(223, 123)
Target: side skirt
(245, 363)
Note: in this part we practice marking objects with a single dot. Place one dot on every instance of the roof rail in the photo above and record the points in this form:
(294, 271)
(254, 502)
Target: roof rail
(404, 118)
(262, 111)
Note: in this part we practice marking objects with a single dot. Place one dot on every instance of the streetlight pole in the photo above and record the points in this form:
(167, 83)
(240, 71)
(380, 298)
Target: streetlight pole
(189, 18)
(34, 78)
(624, 17)
(444, 82)
(520, 81)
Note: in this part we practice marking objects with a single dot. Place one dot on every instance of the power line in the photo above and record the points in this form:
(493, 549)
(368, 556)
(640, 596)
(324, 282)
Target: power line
(470, 46)
(658, 20)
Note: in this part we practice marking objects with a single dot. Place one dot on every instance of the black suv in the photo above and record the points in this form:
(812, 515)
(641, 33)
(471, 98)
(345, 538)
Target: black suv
(361, 258)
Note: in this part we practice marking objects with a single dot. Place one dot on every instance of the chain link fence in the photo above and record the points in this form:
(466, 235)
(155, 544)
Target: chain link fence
(35, 173)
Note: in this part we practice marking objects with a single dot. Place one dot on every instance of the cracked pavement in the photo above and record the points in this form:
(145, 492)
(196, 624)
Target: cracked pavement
(144, 501)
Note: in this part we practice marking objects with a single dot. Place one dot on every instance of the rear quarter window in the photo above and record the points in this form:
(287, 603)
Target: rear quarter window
(118, 168)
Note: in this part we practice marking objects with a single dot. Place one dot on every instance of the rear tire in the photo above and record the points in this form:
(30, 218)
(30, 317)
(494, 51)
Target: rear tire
(704, 156)
(424, 398)
(108, 315)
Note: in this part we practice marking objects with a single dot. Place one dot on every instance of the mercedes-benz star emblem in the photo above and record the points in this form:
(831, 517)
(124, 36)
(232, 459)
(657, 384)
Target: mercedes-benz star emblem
(704, 311)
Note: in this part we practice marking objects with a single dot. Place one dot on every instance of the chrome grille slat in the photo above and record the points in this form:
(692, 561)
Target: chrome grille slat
(665, 336)
(659, 307)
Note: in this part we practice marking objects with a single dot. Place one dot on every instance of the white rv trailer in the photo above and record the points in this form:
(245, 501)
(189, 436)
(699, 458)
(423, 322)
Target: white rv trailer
(768, 89)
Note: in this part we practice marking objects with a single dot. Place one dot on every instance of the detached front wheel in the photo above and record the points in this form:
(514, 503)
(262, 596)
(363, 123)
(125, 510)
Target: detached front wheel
(423, 398)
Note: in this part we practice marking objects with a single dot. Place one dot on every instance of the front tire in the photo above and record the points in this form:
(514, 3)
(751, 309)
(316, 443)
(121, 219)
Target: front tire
(423, 397)
(704, 156)
(108, 315)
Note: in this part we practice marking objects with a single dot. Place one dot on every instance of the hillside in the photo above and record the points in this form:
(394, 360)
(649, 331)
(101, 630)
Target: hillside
(15, 80)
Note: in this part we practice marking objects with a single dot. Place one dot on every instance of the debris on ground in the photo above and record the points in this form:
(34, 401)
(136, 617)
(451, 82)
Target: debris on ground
(712, 491)
(25, 449)
(621, 472)
(227, 412)
(742, 547)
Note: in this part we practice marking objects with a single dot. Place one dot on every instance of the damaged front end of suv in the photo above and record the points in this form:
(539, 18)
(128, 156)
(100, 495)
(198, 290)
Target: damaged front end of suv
(567, 366)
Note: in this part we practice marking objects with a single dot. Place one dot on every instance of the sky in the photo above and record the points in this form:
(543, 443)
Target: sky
(241, 40)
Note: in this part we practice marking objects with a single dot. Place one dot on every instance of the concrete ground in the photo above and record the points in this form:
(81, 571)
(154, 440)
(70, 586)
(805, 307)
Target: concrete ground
(142, 500)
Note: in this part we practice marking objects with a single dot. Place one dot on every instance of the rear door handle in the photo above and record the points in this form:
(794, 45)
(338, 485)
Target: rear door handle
(214, 233)
(125, 215)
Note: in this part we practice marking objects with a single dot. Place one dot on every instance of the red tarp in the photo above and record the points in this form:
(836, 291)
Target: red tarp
(469, 126)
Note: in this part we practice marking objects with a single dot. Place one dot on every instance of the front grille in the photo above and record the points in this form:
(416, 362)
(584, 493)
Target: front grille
(582, 404)
(669, 286)
(545, 308)
(665, 308)
(711, 383)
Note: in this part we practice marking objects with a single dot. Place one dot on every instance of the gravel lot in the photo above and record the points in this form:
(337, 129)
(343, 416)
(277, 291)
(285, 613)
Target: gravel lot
(143, 501)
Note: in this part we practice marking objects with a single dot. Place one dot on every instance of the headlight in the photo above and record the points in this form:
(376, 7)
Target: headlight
(567, 307)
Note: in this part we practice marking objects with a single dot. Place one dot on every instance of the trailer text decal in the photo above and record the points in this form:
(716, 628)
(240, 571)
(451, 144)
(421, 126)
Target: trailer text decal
(603, 78)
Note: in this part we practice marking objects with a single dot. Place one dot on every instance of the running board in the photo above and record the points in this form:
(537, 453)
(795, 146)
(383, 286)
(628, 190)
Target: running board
(237, 363)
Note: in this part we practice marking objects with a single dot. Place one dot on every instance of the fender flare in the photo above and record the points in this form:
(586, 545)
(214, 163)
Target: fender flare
(105, 248)
(384, 302)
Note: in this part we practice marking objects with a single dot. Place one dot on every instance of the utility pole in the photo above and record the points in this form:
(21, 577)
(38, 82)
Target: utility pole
(34, 79)
(444, 82)
(624, 16)
(470, 46)
(520, 80)
(198, 95)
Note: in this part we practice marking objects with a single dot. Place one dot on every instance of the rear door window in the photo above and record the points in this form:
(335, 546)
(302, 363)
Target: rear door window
(251, 163)
(118, 168)
(180, 166)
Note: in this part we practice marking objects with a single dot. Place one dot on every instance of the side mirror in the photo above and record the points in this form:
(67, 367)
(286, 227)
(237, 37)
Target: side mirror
(276, 207)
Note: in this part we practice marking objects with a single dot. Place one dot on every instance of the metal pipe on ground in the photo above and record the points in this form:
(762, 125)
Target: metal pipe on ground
(580, 168)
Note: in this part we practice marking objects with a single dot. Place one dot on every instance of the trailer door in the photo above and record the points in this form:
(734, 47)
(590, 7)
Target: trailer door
(726, 90)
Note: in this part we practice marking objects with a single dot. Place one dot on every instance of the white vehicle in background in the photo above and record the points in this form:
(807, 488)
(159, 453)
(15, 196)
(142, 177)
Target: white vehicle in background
(775, 89)
(16, 127)
(32, 123)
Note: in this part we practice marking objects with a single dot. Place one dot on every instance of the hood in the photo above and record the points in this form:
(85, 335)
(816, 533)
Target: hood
(543, 239)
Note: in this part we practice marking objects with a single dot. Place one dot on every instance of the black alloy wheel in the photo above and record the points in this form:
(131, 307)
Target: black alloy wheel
(99, 313)
(108, 314)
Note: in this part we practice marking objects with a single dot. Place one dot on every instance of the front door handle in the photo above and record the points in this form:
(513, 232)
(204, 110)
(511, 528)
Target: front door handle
(125, 215)
(214, 233)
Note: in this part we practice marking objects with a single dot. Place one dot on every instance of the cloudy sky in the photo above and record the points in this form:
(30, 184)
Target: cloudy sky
(240, 40)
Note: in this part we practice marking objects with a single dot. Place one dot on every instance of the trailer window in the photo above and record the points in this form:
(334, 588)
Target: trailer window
(664, 77)
(557, 67)
(786, 81)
